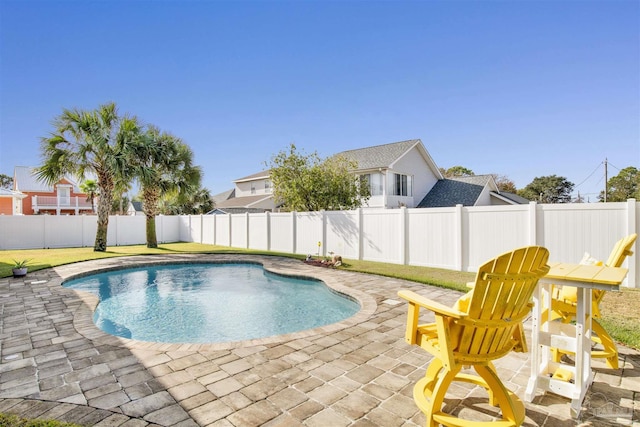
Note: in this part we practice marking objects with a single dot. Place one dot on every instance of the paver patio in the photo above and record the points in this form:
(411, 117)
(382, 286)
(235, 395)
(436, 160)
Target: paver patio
(56, 364)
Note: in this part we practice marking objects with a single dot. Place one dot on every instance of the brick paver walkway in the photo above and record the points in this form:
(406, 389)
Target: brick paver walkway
(56, 364)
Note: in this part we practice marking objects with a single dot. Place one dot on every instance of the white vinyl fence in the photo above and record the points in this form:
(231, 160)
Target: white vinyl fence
(458, 238)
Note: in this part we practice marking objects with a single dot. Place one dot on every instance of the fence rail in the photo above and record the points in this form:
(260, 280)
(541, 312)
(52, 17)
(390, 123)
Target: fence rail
(458, 238)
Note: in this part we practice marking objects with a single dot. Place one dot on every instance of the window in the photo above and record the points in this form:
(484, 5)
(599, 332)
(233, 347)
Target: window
(64, 195)
(253, 188)
(402, 185)
(267, 186)
(375, 183)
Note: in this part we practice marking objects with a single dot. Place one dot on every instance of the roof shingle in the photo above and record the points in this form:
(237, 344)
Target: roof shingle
(379, 156)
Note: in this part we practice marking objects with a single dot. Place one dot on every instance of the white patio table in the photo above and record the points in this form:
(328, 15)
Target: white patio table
(571, 381)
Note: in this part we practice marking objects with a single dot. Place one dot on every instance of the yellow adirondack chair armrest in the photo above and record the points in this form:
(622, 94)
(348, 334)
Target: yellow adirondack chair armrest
(434, 306)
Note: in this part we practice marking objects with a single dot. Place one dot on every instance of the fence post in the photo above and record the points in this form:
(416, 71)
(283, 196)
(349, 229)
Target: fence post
(360, 234)
(632, 220)
(268, 226)
(293, 232)
(403, 235)
(323, 236)
(459, 245)
(44, 232)
(246, 229)
(533, 223)
(215, 228)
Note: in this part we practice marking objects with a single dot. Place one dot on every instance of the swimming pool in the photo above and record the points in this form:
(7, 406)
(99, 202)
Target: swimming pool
(209, 303)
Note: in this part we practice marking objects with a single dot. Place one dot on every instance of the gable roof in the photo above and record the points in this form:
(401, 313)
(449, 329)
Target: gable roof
(451, 192)
(242, 202)
(511, 198)
(465, 190)
(385, 156)
(25, 179)
(5, 192)
(252, 177)
(225, 195)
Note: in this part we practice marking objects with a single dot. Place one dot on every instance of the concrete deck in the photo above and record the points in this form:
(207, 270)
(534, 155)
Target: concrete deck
(56, 364)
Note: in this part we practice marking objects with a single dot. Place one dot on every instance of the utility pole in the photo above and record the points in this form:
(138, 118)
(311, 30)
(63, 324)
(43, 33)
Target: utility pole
(606, 180)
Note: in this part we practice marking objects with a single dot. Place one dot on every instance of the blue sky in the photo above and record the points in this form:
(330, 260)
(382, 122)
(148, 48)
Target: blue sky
(517, 88)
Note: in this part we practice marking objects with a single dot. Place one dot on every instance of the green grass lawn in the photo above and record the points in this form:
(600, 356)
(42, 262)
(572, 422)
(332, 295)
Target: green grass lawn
(624, 325)
(8, 420)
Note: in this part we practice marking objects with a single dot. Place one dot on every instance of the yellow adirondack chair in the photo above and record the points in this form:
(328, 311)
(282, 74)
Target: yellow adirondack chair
(564, 307)
(484, 325)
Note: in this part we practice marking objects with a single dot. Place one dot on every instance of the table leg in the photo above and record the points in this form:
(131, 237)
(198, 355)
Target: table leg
(536, 347)
(584, 375)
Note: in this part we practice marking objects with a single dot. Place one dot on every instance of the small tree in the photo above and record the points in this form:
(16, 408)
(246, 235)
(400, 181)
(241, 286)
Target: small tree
(548, 189)
(307, 183)
(625, 185)
(90, 188)
(5, 181)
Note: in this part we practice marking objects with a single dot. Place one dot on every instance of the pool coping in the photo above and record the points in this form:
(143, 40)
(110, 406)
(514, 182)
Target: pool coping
(290, 267)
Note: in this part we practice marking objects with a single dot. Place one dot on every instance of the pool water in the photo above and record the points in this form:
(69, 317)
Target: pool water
(209, 303)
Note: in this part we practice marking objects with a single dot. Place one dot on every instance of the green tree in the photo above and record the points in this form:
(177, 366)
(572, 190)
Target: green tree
(162, 164)
(548, 189)
(94, 142)
(90, 188)
(504, 183)
(200, 202)
(456, 171)
(6, 181)
(307, 183)
(625, 185)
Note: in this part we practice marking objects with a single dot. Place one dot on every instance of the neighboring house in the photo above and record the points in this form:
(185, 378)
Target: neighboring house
(62, 198)
(251, 194)
(135, 208)
(476, 190)
(399, 174)
(11, 202)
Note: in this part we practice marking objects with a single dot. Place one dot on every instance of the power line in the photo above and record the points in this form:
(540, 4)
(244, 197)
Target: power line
(594, 171)
(610, 164)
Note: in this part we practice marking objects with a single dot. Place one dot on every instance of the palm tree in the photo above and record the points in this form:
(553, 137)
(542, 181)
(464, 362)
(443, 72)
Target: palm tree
(90, 141)
(198, 202)
(90, 188)
(162, 164)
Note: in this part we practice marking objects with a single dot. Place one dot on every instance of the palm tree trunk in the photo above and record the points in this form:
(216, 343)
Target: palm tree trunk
(150, 206)
(105, 183)
(152, 241)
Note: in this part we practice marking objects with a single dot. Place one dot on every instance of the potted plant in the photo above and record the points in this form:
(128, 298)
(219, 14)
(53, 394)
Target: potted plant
(20, 268)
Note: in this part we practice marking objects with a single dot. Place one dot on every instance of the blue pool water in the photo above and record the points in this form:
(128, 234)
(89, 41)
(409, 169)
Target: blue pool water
(209, 303)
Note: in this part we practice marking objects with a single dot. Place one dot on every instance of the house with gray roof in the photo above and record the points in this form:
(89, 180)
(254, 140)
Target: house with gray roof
(476, 190)
(251, 194)
(400, 174)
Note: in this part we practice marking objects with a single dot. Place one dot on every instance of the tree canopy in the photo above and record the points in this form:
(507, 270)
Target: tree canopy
(548, 189)
(5, 181)
(308, 183)
(625, 185)
(456, 171)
